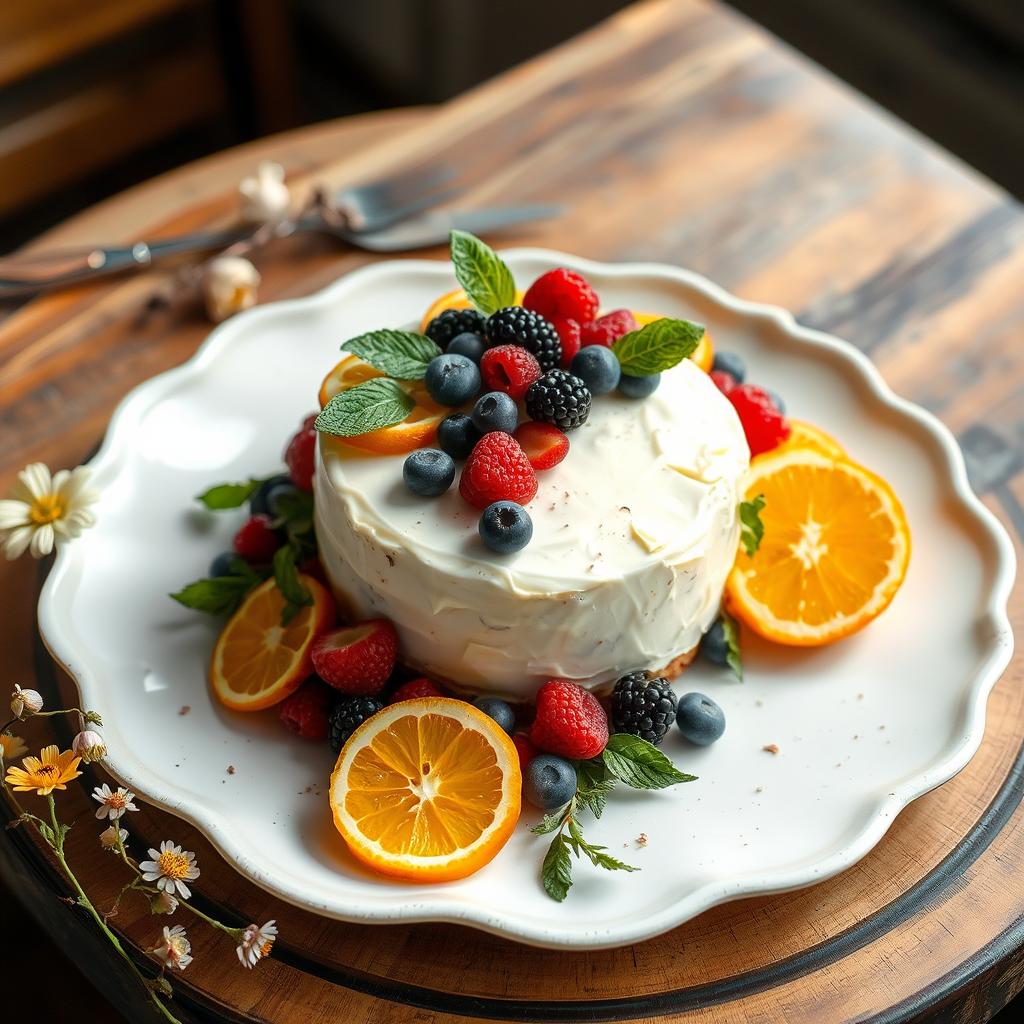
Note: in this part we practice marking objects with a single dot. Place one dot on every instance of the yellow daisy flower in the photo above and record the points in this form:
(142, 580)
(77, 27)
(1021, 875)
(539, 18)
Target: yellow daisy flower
(51, 770)
(12, 746)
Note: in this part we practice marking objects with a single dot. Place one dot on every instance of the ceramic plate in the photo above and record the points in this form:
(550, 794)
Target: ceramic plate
(862, 727)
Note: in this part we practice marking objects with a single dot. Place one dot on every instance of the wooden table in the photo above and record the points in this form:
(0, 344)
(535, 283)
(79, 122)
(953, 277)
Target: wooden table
(676, 132)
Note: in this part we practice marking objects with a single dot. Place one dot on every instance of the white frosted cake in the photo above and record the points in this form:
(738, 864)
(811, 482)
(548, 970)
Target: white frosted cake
(634, 535)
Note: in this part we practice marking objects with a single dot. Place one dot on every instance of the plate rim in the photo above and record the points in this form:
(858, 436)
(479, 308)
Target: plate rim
(845, 356)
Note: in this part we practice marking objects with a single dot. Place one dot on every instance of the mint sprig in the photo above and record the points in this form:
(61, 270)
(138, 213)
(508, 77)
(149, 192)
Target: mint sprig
(640, 764)
(751, 526)
(657, 346)
(224, 496)
(221, 595)
(400, 354)
(375, 403)
(483, 274)
(731, 631)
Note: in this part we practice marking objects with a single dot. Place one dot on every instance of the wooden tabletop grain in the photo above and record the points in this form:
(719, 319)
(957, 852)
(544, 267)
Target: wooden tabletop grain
(675, 132)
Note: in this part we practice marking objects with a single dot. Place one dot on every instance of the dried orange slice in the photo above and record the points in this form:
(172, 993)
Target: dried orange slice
(835, 549)
(427, 789)
(806, 435)
(258, 661)
(417, 430)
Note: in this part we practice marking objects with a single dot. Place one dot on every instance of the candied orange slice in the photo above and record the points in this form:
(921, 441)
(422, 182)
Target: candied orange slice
(258, 660)
(427, 789)
(835, 549)
(806, 435)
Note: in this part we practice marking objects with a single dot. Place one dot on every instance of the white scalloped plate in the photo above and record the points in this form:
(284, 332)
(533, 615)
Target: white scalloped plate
(863, 727)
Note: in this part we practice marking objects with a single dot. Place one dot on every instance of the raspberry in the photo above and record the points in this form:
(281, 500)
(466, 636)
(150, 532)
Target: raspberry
(569, 332)
(570, 722)
(300, 455)
(497, 469)
(256, 540)
(559, 398)
(357, 659)
(562, 294)
(415, 689)
(725, 382)
(514, 325)
(608, 328)
(545, 445)
(305, 711)
(447, 326)
(509, 368)
(524, 748)
(766, 428)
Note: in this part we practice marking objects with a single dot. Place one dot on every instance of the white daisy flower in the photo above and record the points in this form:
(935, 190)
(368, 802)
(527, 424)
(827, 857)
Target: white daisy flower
(110, 835)
(25, 703)
(43, 510)
(256, 943)
(170, 867)
(229, 285)
(113, 803)
(175, 949)
(163, 903)
(265, 196)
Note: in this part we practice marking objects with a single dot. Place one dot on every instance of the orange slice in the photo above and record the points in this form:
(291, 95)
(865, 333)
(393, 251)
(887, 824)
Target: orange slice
(417, 430)
(806, 435)
(835, 549)
(427, 789)
(258, 661)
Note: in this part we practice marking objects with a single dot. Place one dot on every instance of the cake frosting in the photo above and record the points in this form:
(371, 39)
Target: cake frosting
(634, 535)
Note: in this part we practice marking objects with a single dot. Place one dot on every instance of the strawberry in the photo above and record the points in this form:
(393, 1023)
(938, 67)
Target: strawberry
(256, 540)
(725, 382)
(524, 748)
(415, 689)
(305, 711)
(766, 428)
(497, 469)
(562, 294)
(608, 328)
(570, 722)
(357, 659)
(300, 455)
(569, 332)
(509, 368)
(544, 444)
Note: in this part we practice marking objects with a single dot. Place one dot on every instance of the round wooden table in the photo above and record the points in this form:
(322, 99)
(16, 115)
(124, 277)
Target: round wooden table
(677, 133)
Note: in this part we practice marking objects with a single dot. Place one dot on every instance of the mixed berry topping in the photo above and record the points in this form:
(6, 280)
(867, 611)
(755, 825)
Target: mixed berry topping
(505, 527)
(545, 446)
(497, 470)
(562, 294)
(608, 328)
(357, 659)
(763, 423)
(509, 368)
(300, 456)
(428, 472)
(570, 721)
(515, 325)
(643, 706)
(256, 540)
(559, 398)
(347, 715)
(447, 326)
(306, 711)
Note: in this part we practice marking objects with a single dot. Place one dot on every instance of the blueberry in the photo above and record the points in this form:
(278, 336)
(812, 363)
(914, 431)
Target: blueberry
(258, 503)
(777, 400)
(499, 711)
(223, 564)
(639, 387)
(275, 494)
(549, 782)
(505, 527)
(598, 368)
(457, 435)
(467, 344)
(714, 646)
(452, 379)
(732, 364)
(700, 719)
(495, 411)
(428, 472)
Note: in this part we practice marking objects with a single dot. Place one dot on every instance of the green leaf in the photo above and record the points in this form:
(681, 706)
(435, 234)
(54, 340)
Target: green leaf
(286, 576)
(556, 871)
(731, 630)
(229, 495)
(597, 855)
(639, 764)
(593, 784)
(657, 347)
(551, 821)
(400, 354)
(220, 595)
(375, 403)
(484, 277)
(294, 513)
(751, 526)
(47, 833)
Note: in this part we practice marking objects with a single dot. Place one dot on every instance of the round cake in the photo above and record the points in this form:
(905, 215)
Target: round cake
(634, 535)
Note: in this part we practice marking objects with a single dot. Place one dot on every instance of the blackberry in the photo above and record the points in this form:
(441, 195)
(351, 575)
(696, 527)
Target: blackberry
(447, 326)
(514, 325)
(347, 715)
(559, 398)
(643, 706)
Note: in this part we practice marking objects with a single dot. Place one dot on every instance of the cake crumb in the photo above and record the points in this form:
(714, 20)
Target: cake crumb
(860, 696)
(391, 558)
(184, 709)
(759, 703)
(231, 769)
(759, 789)
(771, 748)
(625, 508)
(641, 840)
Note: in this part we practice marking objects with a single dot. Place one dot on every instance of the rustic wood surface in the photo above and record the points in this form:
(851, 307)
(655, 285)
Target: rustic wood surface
(676, 132)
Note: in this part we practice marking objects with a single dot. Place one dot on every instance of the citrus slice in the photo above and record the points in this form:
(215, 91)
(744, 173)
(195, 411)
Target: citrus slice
(427, 789)
(806, 435)
(258, 661)
(703, 355)
(835, 549)
(417, 430)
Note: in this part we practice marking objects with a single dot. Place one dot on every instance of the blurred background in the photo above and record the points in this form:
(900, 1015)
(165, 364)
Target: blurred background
(98, 95)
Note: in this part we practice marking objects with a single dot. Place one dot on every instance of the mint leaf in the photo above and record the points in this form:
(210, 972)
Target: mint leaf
(657, 347)
(286, 576)
(294, 513)
(400, 354)
(484, 277)
(375, 403)
(593, 784)
(550, 822)
(639, 764)
(220, 595)
(229, 495)
(731, 630)
(556, 871)
(751, 527)
(597, 855)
